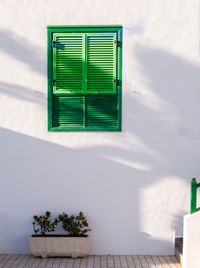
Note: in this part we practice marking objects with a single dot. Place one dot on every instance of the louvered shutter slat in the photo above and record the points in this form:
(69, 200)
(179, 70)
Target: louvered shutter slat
(68, 112)
(68, 63)
(101, 63)
(101, 112)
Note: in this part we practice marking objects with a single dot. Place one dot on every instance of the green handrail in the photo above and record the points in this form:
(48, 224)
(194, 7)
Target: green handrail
(193, 204)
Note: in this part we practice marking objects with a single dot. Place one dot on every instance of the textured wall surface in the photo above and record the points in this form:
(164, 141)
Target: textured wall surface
(134, 185)
(191, 240)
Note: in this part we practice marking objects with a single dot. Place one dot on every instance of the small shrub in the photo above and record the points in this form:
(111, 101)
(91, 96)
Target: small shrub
(76, 226)
(42, 224)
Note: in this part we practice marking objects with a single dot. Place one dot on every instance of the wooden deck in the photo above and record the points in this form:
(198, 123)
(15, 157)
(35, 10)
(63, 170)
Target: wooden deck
(109, 261)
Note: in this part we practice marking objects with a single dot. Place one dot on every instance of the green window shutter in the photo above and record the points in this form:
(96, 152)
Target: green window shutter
(88, 112)
(68, 63)
(68, 112)
(101, 63)
(84, 70)
(102, 112)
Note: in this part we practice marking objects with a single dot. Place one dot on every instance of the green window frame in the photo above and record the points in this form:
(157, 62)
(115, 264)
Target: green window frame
(84, 78)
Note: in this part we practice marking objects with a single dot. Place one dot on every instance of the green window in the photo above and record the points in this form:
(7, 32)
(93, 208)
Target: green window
(84, 78)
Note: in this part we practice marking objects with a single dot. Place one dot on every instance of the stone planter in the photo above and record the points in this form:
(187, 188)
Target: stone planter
(59, 246)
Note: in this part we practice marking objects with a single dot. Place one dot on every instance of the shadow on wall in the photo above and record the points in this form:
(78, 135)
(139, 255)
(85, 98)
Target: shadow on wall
(160, 138)
(162, 111)
(167, 107)
(22, 93)
(28, 54)
(38, 175)
(20, 49)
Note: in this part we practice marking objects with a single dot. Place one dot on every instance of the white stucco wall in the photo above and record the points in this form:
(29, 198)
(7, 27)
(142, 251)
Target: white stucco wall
(134, 185)
(191, 240)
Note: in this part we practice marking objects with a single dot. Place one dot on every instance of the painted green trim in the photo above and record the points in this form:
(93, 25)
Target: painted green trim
(56, 129)
(93, 30)
(84, 28)
(193, 201)
(119, 68)
(49, 82)
(62, 93)
(115, 76)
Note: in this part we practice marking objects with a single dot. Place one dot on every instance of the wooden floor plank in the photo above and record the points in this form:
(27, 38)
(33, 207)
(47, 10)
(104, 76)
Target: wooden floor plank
(50, 262)
(150, 261)
(9, 260)
(103, 262)
(23, 262)
(117, 261)
(143, 262)
(163, 261)
(176, 261)
(28, 264)
(5, 259)
(63, 263)
(70, 263)
(77, 263)
(84, 262)
(20, 260)
(170, 262)
(137, 262)
(123, 261)
(130, 262)
(36, 263)
(157, 261)
(42, 263)
(56, 263)
(110, 262)
(96, 261)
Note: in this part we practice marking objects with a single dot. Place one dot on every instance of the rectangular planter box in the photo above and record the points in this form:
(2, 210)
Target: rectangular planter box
(59, 246)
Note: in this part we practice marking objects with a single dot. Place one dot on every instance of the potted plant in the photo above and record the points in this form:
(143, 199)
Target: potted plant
(74, 243)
